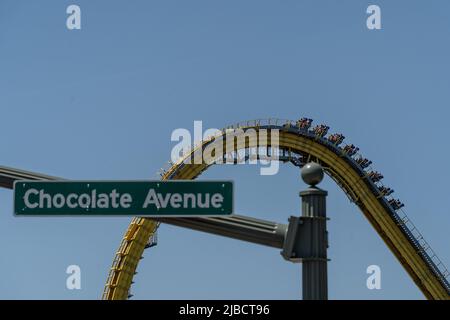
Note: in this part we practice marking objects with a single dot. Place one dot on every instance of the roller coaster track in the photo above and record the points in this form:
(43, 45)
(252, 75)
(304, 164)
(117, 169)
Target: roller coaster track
(299, 145)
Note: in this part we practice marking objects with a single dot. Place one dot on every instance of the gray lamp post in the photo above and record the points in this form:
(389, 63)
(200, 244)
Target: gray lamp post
(306, 239)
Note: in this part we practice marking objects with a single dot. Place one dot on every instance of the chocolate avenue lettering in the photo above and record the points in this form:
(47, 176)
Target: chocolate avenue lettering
(34, 198)
(134, 198)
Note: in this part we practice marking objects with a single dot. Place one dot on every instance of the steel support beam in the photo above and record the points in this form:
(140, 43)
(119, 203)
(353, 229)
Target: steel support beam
(9, 175)
(237, 227)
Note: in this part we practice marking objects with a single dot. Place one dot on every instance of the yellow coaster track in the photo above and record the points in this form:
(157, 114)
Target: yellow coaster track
(393, 228)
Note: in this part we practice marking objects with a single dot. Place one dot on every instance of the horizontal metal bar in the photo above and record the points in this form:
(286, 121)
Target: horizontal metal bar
(236, 226)
(9, 175)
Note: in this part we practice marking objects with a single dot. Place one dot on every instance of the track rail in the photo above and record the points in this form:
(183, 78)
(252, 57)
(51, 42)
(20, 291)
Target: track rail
(303, 145)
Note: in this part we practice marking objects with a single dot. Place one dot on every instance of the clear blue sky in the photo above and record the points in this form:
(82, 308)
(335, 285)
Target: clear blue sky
(101, 103)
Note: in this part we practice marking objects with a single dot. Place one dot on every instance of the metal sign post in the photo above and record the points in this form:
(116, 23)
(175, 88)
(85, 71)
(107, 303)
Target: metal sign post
(314, 269)
(307, 238)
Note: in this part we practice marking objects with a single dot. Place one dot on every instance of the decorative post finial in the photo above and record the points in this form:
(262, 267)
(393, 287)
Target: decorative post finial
(312, 173)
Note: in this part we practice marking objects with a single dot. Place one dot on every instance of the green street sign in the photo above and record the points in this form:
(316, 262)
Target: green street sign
(123, 198)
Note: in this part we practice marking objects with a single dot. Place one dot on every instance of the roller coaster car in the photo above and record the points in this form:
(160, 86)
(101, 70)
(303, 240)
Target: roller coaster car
(321, 130)
(351, 149)
(396, 204)
(363, 162)
(375, 176)
(385, 191)
(336, 138)
(304, 123)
